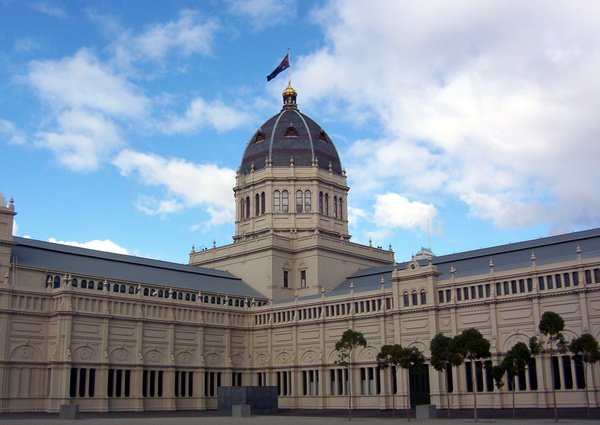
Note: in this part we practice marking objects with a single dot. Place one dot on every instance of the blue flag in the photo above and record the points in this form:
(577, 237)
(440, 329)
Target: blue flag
(285, 64)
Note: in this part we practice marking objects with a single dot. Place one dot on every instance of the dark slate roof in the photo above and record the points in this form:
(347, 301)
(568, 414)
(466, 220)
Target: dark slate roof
(105, 265)
(270, 141)
(505, 257)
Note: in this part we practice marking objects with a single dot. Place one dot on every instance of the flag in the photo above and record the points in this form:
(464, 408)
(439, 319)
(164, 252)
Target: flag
(285, 64)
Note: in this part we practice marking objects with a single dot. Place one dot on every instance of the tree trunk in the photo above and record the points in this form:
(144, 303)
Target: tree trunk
(474, 371)
(394, 395)
(349, 392)
(408, 395)
(553, 389)
(587, 391)
(448, 392)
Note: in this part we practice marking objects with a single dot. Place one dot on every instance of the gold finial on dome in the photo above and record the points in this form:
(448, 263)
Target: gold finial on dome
(289, 96)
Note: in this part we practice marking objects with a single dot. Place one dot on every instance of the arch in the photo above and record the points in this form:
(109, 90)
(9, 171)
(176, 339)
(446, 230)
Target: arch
(25, 352)
(84, 354)
(257, 204)
(512, 339)
(247, 207)
(120, 355)
(184, 358)
(307, 201)
(213, 359)
(153, 356)
(263, 199)
(285, 201)
(309, 357)
(368, 353)
(84, 283)
(299, 201)
(276, 201)
(131, 289)
(116, 288)
(283, 359)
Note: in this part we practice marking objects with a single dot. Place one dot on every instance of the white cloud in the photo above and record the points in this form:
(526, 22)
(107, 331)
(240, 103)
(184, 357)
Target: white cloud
(187, 35)
(82, 81)
(201, 114)
(264, 13)
(83, 140)
(49, 9)
(105, 245)
(493, 103)
(187, 184)
(15, 136)
(393, 210)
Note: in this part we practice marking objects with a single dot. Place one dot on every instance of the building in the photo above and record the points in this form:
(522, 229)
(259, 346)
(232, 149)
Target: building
(120, 333)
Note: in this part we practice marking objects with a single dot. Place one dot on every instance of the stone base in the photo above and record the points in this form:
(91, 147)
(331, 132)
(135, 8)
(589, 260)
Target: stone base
(426, 411)
(240, 410)
(69, 411)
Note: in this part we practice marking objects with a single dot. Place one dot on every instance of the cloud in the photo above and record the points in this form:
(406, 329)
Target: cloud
(15, 137)
(264, 13)
(188, 35)
(491, 103)
(186, 184)
(82, 82)
(105, 245)
(49, 9)
(201, 114)
(83, 140)
(393, 210)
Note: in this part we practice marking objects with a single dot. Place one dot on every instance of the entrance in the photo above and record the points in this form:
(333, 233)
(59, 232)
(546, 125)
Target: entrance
(419, 386)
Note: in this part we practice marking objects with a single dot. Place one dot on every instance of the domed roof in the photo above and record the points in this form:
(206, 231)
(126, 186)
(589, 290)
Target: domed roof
(290, 134)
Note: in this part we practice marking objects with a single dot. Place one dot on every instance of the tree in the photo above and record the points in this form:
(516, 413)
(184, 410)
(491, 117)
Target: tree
(586, 347)
(345, 346)
(440, 359)
(471, 345)
(515, 362)
(387, 357)
(553, 342)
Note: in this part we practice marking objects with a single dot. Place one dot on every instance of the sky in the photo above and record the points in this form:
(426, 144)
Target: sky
(461, 125)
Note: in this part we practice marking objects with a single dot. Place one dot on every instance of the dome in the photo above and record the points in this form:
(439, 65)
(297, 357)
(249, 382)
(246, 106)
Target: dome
(290, 134)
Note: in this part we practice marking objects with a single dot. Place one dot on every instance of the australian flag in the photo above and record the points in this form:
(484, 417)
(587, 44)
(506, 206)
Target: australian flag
(285, 64)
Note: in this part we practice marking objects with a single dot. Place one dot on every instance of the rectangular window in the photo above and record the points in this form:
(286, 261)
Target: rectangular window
(307, 201)
(423, 297)
(466, 293)
(556, 371)
(489, 381)
(529, 284)
(498, 288)
(541, 283)
(303, 278)
(513, 286)
(558, 280)
(449, 378)
(521, 285)
(441, 296)
(473, 292)
(575, 278)
(597, 275)
(469, 376)
(285, 202)
(458, 295)
(567, 372)
(448, 295)
(549, 282)
(286, 282)
(532, 369)
(488, 290)
(415, 298)
(480, 291)
(506, 288)
(299, 201)
(579, 372)
(567, 279)
(479, 375)
(276, 201)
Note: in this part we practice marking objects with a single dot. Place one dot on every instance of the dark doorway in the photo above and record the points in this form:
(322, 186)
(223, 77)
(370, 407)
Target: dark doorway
(419, 386)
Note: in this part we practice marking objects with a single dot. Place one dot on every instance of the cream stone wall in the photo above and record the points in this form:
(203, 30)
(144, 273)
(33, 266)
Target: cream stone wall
(55, 341)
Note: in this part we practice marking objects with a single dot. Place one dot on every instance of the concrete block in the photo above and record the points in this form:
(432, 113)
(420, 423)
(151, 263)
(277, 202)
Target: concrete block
(426, 411)
(240, 410)
(69, 411)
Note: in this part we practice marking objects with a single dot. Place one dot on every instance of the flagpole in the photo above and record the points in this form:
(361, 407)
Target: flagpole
(289, 68)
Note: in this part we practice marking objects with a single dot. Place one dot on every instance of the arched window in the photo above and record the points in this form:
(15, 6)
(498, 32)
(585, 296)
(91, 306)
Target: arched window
(243, 208)
(180, 296)
(91, 284)
(56, 282)
(406, 300)
(423, 297)
(299, 201)
(257, 205)
(188, 297)
(160, 293)
(415, 299)
(320, 202)
(285, 202)
(262, 202)
(101, 286)
(307, 201)
(84, 283)
(131, 289)
(247, 207)
(335, 206)
(146, 291)
(276, 201)
(123, 289)
(193, 297)
(340, 208)
(116, 288)
(206, 298)
(326, 207)
(74, 283)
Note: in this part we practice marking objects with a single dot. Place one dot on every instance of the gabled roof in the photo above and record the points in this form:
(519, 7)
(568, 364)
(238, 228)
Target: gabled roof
(64, 259)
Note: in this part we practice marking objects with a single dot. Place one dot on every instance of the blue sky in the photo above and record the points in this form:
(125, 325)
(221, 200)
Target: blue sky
(122, 123)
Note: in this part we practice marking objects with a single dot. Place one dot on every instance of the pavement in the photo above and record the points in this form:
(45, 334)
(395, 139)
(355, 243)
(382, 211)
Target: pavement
(307, 417)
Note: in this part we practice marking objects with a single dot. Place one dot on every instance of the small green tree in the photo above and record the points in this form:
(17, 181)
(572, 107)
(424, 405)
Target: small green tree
(497, 375)
(389, 356)
(552, 342)
(516, 361)
(411, 358)
(471, 345)
(440, 360)
(349, 341)
(586, 346)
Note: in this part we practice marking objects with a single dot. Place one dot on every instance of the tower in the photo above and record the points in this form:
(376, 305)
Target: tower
(7, 213)
(291, 232)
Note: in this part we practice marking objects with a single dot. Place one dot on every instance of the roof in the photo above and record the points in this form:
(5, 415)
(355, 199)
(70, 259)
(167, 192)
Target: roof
(504, 257)
(290, 134)
(66, 259)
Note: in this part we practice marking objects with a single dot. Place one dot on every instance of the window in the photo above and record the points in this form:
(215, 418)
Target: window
(597, 275)
(549, 282)
(480, 291)
(262, 202)
(184, 383)
(541, 283)
(458, 295)
(579, 372)
(406, 301)
(152, 383)
(299, 201)
(369, 380)
(212, 381)
(310, 382)
(588, 278)
(261, 378)
(307, 201)
(488, 290)
(575, 278)
(567, 279)
(441, 296)
(558, 280)
(286, 282)
(335, 206)
(415, 299)
(513, 286)
(466, 293)
(276, 201)
(284, 383)
(326, 206)
(236, 379)
(320, 202)
(119, 383)
(83, 382)
(506, 288)
(247, 207)
(498, 288)
(303, 278)
(339, 381)
(423, 297)
(532, 369)
(257, 204)
(568, 373)
(521, 285)
(243, 208)
(285, 202)
(340, 208)
(448, 295)
(529, 284)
